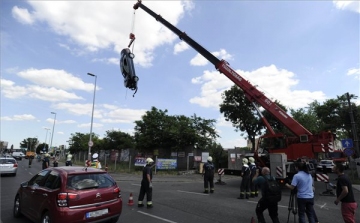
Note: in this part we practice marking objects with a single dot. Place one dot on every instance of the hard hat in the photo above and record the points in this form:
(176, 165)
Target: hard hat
(245, 161)
(251, 160)
(95, 156)
(149, 160)
(209, 159)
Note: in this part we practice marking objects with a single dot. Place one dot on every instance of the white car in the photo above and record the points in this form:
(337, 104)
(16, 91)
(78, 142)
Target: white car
(8, 165)
(328, 164)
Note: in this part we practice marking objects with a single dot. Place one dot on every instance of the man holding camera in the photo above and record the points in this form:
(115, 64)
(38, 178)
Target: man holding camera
(344, 193)
(303, 182)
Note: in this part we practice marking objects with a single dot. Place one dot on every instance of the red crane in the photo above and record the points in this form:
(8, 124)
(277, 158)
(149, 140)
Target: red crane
(302, 144)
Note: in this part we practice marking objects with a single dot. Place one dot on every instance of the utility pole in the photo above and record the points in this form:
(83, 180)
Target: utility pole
(353, 125)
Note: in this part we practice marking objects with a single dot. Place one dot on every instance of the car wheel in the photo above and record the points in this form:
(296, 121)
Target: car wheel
(46, 218)
(17, 211)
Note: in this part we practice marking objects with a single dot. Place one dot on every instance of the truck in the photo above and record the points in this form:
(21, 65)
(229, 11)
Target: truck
(301, 144)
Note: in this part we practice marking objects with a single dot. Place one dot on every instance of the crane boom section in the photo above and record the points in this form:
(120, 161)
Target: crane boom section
(223, 67)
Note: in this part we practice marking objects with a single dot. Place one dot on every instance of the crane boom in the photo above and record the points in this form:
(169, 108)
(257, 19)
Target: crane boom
(222, 66)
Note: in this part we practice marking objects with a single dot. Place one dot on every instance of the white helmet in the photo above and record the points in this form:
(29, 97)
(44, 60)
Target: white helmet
(245, 161)
(95, 156)
(149, 160)
(209, 159)
(251, 160)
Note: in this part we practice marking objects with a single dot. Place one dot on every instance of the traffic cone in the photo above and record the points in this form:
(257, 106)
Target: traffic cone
(131, 200)
(252, 220)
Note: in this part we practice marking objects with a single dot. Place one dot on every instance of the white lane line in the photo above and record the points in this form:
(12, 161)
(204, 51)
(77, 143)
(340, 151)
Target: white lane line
(189, 192)
(154, 216)
(255, 202)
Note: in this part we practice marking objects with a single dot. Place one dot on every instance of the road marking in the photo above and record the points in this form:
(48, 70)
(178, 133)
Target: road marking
(154, 216)
(189, 192)
(322, 206)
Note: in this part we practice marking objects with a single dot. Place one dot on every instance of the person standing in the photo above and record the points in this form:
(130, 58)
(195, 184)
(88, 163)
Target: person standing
(245, 182)
(95, 163)
(303, 183)
(146, 185)
(68, 159)
(46, 161)
(208, 174)
(345, 194)
(265, 202)
(253, 188)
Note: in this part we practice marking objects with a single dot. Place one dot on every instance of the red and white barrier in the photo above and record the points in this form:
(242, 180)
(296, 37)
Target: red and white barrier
(221, 171)
(279, 171)
(322, 177)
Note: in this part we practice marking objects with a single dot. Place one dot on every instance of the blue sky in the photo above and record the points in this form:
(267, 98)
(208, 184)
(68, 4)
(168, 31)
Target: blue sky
(294, 51)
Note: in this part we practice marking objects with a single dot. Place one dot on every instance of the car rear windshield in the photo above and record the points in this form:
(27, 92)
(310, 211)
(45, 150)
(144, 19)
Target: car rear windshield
(89, 181)
(326, 162)
(7, 161)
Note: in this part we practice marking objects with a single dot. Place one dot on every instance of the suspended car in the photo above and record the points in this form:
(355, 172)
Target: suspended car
(128, 70)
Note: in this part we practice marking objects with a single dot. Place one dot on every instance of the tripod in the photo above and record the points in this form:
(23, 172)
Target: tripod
(293, 205)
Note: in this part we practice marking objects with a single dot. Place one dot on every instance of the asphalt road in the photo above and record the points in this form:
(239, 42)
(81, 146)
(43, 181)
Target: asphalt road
(179, 199)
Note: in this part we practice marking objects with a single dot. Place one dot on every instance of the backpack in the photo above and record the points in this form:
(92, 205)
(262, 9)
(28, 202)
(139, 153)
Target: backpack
(272, 190)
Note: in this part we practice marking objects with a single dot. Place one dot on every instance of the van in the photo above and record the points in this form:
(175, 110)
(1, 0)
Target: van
(18, 154)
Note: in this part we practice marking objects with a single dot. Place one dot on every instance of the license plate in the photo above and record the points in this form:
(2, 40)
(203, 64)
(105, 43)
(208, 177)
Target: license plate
(97, 213)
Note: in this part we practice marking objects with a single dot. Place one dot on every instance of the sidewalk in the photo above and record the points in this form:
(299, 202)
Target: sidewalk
(356, 187)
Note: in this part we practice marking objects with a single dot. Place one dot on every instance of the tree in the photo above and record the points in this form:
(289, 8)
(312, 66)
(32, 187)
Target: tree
(308, 117)
(159, 130)
(30, 144)
(79, 142)
(117, 140)
(241, 112)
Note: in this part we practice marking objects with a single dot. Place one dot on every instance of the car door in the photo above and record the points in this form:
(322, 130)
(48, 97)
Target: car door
(45, 195)
(30, 195)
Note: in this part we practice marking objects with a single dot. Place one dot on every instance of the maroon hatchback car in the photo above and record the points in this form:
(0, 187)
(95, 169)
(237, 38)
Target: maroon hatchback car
(69, 194)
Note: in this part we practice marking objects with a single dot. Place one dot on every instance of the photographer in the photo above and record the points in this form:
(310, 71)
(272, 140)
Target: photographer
(303, 183)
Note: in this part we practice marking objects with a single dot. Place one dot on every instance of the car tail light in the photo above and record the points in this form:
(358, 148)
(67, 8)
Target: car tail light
(117, 191)
(63, 198)
(15, 165)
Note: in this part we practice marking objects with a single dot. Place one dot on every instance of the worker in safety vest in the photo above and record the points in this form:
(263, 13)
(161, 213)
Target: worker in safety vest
(253, 187)
(95, 162)
(208, 174)
(245, 182)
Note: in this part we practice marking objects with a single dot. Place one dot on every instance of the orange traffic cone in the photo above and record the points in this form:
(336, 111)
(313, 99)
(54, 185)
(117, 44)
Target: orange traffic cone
(252, 220)
(131, 201)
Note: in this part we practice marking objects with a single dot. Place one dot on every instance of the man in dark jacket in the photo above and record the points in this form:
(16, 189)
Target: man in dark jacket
(208, 174)
(264, 204)
(146, 185)
(245, 182)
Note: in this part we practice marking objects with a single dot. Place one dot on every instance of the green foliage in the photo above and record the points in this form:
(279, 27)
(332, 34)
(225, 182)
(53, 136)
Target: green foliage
(30, 144)
(157, 129)
(117, 140)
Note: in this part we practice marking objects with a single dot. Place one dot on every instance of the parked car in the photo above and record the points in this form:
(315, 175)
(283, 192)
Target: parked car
(18, 155)
(69, 194)
(328, 164)
(8, 165)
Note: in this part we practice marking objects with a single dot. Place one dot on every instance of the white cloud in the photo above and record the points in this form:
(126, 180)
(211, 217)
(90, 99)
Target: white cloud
(9, 90)
(275, 83)
(199, 60)
(355, 72)
(80, 109)
(22, 15)
(180, 47)
(23, 117)
(56, 78)
(348, 5)
(106, 25)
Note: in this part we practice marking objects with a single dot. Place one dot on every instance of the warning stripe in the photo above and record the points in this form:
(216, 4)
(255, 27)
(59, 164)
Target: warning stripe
(322, 177)
(279, 171)
(221, 171)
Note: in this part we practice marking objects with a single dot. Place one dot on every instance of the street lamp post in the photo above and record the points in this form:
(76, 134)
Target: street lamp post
(47, 129)
(92, 117)
(52, 134)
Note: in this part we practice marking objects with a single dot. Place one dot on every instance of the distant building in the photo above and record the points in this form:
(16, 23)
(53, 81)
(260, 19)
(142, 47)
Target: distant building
(3, 145)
